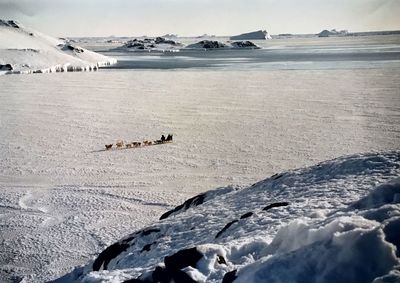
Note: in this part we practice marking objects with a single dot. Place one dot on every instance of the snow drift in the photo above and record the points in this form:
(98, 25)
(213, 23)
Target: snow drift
(23, 50)
(337, 221)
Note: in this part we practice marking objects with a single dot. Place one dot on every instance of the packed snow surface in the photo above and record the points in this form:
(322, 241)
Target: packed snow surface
(294, 103)
(325, 223)
(28, 51)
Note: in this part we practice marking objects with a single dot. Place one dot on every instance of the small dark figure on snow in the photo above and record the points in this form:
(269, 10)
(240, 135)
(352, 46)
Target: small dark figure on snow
(169, 138)
(162, 138)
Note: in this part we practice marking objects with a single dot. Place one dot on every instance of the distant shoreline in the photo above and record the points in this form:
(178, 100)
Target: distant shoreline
(358, 33)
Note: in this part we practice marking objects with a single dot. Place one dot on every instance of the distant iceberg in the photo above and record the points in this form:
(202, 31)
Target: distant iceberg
(260, 34)
(327, 33)
(170, 35)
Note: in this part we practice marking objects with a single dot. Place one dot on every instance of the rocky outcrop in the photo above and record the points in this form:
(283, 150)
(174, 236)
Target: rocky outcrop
(9, 23)
(275, 230)
(151, 44)
(6, 67)
(69, 47)
(244, 44)
(207, 44)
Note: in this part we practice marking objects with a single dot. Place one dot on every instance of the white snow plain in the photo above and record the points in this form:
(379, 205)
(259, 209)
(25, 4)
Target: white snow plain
(29, 51)
(62, 201)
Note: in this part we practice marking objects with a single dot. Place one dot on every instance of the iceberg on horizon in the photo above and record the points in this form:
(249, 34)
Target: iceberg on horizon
(260, 34)
(327, 33)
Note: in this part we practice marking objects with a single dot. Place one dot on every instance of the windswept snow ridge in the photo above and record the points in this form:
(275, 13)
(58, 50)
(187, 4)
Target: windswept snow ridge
(23, 50)
(337, 221)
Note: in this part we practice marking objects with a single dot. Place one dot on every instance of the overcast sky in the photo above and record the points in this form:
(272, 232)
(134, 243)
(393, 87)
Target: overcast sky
(196, 17)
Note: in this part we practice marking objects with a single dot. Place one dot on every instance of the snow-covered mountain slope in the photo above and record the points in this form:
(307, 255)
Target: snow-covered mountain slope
(23, 50)
(337, 221)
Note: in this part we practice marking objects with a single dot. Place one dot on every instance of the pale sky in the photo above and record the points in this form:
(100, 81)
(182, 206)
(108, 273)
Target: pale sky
(196, 17)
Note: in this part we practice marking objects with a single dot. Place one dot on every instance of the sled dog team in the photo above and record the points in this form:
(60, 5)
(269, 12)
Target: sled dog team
(120, 144)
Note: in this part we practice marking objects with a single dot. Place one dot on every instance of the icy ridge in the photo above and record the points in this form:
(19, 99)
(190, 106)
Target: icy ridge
(336, 221)
(25, 51)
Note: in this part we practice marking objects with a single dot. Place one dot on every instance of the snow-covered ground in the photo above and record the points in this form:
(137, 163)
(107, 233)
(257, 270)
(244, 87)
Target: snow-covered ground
(325, 223)
(29, 51)
(294, 103)
(62, 201)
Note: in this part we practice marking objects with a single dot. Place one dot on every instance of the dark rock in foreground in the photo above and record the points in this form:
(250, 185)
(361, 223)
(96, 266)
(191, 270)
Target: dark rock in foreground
(306, 217)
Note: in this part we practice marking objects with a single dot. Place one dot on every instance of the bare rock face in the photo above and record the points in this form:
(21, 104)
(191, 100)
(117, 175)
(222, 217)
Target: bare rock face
(162, 40)
(6, 67)
(9, 23)
(194, 201)
(71, 48)
(172, 271)
(208, 44)
(149, 43)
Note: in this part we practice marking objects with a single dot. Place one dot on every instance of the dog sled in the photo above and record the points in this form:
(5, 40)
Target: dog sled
(120, 144)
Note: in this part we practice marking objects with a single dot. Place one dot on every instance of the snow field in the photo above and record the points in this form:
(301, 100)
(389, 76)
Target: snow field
(352, 239)
(60, 196)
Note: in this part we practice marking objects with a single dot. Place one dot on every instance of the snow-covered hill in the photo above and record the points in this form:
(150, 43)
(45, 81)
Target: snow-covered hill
(337, 221)
(23, 50)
